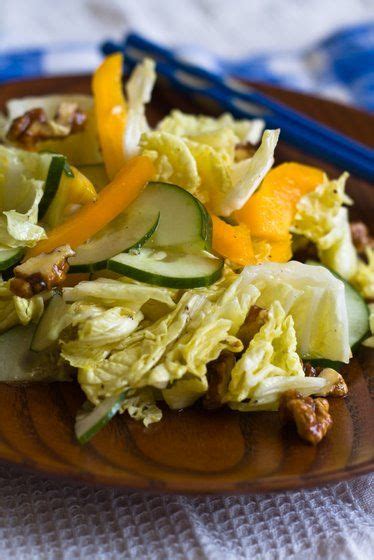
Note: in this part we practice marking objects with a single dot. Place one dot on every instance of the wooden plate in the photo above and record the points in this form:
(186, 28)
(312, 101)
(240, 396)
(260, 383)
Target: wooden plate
(195, 450)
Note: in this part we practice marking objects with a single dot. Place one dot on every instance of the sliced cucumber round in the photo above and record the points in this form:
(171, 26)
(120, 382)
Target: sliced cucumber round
(9, 257)
(184, 221)
(51, 323)
(88, 423)
(130, 230)
(172, 269)
(357, 310)
(56, 169)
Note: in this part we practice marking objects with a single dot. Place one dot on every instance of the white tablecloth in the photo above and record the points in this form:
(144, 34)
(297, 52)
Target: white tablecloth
(46, 520)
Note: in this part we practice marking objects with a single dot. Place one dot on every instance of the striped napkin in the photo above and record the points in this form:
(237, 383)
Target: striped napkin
(340, 67)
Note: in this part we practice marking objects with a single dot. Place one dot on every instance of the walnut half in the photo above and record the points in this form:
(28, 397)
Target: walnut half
(336, 386)
(34, 125)
(42, 272)
(219, 374)
(311, 416)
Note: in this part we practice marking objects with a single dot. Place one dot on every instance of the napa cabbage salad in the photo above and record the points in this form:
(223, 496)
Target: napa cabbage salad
(170, 265)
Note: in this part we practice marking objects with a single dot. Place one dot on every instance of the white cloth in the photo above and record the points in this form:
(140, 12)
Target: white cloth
(44, 519)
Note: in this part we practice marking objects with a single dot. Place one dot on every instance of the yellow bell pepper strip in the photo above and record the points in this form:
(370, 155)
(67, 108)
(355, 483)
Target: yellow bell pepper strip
(113, 199)
(71, 190)
(111, 111)
(232, 242)
(280, 251)
(270, 211)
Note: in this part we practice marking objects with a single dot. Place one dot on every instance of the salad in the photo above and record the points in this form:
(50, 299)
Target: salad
(173, 265)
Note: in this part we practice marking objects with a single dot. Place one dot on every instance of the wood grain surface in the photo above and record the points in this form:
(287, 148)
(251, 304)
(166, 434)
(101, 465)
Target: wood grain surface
(196, 450)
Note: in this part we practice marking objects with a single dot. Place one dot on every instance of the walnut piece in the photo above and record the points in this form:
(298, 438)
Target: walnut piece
(33, 126)
(311, 371)
(70, 116)
(219, 373)
(311, 416)
(253, 322)
(361, 237)
(336, 387)
(42, 272)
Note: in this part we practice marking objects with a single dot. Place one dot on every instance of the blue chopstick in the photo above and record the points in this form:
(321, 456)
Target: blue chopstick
(328, 145)
(246, 93)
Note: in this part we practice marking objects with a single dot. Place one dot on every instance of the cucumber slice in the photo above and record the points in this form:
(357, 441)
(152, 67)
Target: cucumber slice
(357, 310)
(183, 219)
(20, 365)
(56, 169)
(51, 323)
(130, 230)
(87, 424)
(171, 269)
(8, 257)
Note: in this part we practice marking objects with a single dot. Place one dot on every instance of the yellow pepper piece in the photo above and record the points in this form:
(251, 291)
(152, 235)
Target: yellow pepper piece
(280, 251)
(113, 199)
(71, 191)
(111, 111)
(232, 242)
(270, 211)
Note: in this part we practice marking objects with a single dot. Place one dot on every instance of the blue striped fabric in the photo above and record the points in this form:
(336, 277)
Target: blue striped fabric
(341, 66)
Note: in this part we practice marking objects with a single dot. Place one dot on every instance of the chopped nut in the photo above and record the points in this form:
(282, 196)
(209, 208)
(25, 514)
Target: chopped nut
(252, 324)
(361, 237)
(21, 128)
(219, 373)
(311, 416)
(33, 126)
(336, 387)
(311, 371)
(69, 115)
(42, 272)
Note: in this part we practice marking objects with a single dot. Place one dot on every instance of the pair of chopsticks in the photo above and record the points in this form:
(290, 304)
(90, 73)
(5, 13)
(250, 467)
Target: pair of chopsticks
(246, 102)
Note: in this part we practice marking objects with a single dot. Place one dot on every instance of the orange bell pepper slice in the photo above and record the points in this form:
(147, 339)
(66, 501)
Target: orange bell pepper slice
(112, 199)
(111, 111)
(270, 211)
(232, 242)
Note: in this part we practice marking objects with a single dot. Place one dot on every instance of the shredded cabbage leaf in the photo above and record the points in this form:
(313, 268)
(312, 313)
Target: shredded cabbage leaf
(208, 172)
(172, 158)
(363, 279)
(22, 178)
(15, 310)
(183, 124)
(271, 353)
(314, 298)
(141, 405)
(322, 218)
(223, 141)
(138, 92)
(211, 331)
(115, 352)
(133, 365)
(247, 175)
(98, 334)
(122, 292)
(184, 392)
